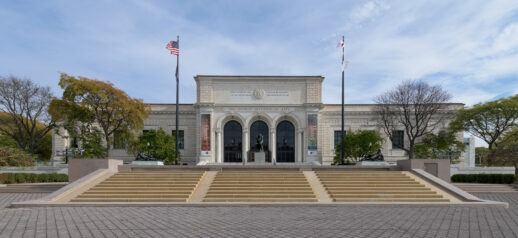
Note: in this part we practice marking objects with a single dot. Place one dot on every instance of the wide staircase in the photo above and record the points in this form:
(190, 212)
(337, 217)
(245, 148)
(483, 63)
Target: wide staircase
(263, 186)
(144, 187)
(260, 186)
(376, 186)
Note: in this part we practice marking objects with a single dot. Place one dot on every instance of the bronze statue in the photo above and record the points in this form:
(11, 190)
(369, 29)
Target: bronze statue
(259, 140)
(375, 157)
(144, 157)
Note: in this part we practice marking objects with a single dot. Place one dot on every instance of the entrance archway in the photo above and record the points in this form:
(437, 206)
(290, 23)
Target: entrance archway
(260, 128)
(232, 140)
(285, 142)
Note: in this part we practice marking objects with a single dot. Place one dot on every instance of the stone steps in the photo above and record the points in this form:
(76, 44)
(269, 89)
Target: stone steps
(260, 195)
(175, 186)
(137, 192)
(260, 186)
(388, 191)
(391, 200)
(393, 186)
(386, 195)
(153, 185)
(485, 188)
(374, 186)
(248, 189)
(134, 199)
(229, 199)
(141, 196)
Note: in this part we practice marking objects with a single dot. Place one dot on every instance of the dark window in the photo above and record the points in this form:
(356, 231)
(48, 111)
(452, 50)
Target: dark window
(337, 138)
(119, 140)
(232, 135)
(181, 140)
(285, 142)
(75, 142)
(398, 140)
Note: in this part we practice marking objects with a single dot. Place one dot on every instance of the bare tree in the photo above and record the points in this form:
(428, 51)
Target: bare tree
(24, 106)
(415, 106)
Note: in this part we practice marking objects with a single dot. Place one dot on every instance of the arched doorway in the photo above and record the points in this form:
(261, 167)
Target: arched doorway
(285, 142)
(260, 129)
(232, 140)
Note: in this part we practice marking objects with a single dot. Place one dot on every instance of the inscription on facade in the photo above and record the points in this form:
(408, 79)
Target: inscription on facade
(260, 109)
(259, 93)
(236, 93)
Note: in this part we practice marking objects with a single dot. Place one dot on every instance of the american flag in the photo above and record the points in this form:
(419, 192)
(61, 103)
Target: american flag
(173, 47)
(341, 44)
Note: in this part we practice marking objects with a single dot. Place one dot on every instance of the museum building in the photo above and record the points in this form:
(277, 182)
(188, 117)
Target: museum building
(262, 119)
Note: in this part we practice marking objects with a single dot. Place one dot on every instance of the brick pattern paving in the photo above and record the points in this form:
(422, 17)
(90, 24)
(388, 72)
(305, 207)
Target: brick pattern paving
(348, 221)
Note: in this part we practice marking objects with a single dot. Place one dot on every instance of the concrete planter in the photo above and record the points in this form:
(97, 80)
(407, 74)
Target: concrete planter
(78, 168)
(438, 167)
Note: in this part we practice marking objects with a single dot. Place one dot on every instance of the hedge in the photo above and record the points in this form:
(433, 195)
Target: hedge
(8, 178)
(483, 178)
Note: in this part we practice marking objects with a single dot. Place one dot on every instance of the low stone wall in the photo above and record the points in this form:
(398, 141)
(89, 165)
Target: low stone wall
(78, 168)
(481, 170)
(38, 169)
(438, 167)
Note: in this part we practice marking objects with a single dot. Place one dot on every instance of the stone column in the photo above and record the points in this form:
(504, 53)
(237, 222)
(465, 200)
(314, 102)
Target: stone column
(219, 151)
(273, 146)
(300, 146)
(246, 145)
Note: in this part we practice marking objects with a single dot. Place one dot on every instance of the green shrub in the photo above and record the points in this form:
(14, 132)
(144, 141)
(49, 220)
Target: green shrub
(9, 178)
(32, 178)
(483, 178)
(43, 178)
(14, 157)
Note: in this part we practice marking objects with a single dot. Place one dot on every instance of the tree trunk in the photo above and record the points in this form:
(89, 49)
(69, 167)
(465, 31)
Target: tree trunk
(410, 151)
(489, 159)
(107, 138)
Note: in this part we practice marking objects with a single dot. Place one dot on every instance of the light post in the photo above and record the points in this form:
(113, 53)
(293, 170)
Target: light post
(66, 155)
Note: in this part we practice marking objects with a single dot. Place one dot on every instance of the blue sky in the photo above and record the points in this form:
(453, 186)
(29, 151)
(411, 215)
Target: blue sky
(468, 47)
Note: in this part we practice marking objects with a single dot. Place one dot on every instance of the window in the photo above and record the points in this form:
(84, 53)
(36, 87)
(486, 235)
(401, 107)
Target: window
(119, 141)
(337, 138)
(181, 138)
(398, 140)
(75, 142)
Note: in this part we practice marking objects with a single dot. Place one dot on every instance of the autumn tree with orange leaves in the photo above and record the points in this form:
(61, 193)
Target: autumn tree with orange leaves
(89, 108)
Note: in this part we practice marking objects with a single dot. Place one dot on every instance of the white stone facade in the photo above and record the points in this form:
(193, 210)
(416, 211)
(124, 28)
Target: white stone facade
(283, 105)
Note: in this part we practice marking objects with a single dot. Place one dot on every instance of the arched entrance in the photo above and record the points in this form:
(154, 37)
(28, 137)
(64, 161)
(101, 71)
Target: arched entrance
(260, 129)
(285, 142)
(232, 140)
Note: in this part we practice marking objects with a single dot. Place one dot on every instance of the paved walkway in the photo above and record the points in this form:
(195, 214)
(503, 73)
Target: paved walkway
(349, 221)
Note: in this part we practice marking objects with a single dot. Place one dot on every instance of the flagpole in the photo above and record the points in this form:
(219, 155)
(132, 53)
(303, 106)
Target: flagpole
(177, 98)
(342, 134)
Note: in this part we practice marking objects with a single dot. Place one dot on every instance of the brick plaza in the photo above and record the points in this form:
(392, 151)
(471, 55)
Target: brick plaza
(298, 221)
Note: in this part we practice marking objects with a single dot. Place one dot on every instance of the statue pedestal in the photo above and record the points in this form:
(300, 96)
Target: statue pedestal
(142, 162)
(259, 157)
(373, 163)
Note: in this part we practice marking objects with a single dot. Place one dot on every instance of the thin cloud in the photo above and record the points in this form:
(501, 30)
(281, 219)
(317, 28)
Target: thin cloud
(470, 48)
